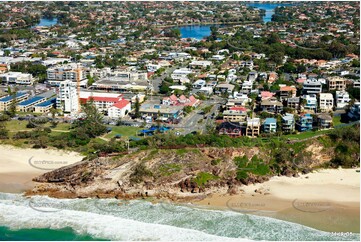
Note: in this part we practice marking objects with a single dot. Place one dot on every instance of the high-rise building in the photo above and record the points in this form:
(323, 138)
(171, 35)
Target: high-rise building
(67, 99)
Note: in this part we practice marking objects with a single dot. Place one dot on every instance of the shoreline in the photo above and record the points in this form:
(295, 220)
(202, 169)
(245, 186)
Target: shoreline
(327, 199)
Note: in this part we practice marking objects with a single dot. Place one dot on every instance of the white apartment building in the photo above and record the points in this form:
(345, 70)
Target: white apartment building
(247, 86)
(17, 78)
(153, 67)
(326, 102)
(119, 109)
(181, 74)
(342, 99)
(200, 64)
(67, 98)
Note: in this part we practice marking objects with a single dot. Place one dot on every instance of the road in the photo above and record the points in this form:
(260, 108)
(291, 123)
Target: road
(158, 80)
(192, 121)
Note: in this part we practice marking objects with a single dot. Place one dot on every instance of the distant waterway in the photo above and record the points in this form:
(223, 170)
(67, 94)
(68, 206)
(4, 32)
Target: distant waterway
(46, 22)
(269, 8)
(195, 31)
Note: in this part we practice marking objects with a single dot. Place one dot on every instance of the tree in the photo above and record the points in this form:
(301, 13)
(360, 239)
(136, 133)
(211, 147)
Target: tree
(53, 112)
(90, 125)
(137, 108)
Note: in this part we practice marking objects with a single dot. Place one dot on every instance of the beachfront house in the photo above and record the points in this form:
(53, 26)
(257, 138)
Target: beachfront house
(288, 123)
(270, 125)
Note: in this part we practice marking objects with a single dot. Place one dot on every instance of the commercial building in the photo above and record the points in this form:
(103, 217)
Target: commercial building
(28, 105)
(17, 78)
(5, 102)
(45, 107)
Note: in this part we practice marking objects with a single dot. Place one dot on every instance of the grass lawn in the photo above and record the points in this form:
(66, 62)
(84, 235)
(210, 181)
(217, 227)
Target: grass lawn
(336, 120)
(62, 126)
(123, 130)
(305, 135)
(16, 125)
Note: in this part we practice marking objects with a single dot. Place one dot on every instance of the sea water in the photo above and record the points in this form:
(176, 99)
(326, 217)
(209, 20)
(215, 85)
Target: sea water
(44, 218)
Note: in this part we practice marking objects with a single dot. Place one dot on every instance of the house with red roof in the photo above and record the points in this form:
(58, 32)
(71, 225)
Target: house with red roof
(182, 100)
(287, 91)
(119, 109)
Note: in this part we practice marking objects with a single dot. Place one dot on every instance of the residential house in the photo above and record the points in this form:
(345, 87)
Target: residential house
(342, 99)
(253, 127)
(235, 115)
(336, 83)
(312, 86)
(199, 84)
(324, 121)
(293, 102)
(270, 125)
(288, 123)
(247, 87)
(181, 74)
(232, 129)
(354, 113)
(287, 92)
(305, 122)
(200, 64)
(265, 95)
(271, 105)
(173, 100)
(224, 88)
(310, 102)
(326, 102)
(272, 77)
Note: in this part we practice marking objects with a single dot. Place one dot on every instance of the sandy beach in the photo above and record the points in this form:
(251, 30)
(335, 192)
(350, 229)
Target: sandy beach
(328, 200)
(19, 166)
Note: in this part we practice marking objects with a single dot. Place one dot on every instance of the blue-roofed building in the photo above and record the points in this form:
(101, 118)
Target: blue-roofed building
(5, 102)
(270, 125)
(305, 123)
(45, 107)
(28, 105)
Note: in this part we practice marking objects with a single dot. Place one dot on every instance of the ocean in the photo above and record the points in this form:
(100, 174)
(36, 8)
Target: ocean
(44, 218)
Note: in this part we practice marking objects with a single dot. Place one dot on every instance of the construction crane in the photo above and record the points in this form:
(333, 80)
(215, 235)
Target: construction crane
(78, 71)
